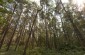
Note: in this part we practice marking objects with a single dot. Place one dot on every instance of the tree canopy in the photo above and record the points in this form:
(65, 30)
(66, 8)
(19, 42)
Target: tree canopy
(50, 25)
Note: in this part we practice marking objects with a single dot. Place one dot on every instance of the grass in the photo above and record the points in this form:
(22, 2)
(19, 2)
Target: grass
(43, 51)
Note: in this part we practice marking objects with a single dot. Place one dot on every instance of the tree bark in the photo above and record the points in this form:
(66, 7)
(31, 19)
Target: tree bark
(17, 22)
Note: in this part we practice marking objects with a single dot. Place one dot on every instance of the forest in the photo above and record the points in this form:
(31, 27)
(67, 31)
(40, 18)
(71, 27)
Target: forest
(49, 27)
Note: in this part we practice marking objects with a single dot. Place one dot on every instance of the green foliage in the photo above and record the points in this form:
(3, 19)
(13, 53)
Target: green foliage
(1, 2)
(3, 10)
(2, 21)
(5, 1)
(61, 37)
(43, 51)
(10, 1)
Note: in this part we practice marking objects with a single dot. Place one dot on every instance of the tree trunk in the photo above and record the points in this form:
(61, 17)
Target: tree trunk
(78, 33)
(4, 32)
(17, 22)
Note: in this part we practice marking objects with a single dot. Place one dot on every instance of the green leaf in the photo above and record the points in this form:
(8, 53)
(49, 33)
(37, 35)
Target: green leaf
(2, 20)
(3, 10)
(1, 2)
(10, 1)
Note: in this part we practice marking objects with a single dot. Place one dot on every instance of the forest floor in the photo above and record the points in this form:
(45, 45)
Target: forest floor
(42, 51)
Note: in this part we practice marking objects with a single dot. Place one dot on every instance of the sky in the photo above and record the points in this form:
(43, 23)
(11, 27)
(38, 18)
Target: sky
(78, 2)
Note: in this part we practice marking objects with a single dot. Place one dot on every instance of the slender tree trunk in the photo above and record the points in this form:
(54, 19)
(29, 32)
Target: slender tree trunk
(18, 39)
(65, 32)
(4, 32)
(9, 43)
(21, 33)
(46, 33)
(3, 37)
(30, 32)
(26, 45)
(78, 33)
